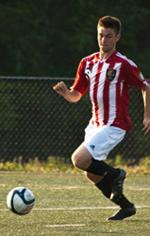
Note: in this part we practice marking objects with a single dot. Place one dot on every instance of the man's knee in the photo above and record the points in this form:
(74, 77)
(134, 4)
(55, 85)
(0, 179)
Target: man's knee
(76, 160)
(81, 158)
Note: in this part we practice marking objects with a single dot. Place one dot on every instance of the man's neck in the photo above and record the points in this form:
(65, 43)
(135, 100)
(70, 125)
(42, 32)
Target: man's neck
(106, 55)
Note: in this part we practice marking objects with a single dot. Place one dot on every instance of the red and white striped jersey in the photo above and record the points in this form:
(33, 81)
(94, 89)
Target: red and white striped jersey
(107, 82)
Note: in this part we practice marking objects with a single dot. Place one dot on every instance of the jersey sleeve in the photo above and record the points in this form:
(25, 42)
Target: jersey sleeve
(81, 82)
(135, 77)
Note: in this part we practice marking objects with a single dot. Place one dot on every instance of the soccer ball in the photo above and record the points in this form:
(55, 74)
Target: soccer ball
(20, 200)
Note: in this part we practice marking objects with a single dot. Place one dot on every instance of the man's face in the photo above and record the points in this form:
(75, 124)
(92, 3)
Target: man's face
(107, 39)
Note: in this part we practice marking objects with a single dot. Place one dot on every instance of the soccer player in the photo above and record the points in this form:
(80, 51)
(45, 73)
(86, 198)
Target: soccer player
(106, 75)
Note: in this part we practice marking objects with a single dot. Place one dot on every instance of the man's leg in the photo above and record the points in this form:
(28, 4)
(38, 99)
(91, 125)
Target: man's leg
(104, 177)
(82, 159)
(104, 184)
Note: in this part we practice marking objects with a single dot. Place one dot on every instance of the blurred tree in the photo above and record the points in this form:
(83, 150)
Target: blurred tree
(49, 37)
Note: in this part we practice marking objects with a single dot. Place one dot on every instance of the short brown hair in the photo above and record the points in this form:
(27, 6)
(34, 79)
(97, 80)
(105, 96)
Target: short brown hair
(110, 22)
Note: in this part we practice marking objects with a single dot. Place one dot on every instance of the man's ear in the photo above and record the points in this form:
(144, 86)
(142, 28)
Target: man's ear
(118, 37)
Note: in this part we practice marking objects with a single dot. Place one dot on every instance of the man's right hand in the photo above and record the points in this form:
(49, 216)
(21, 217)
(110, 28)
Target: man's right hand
(70, 95)
(61, 88)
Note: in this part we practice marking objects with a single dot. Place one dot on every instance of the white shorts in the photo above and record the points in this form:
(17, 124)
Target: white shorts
(100, 141)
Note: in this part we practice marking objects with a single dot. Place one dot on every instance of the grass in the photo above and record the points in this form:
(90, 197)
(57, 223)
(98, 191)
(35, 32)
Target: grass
(67, 204)
(57, 164)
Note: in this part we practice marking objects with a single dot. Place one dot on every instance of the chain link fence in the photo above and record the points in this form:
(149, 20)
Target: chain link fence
(35, 122)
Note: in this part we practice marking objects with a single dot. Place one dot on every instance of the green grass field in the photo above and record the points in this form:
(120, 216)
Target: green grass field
(68, 204)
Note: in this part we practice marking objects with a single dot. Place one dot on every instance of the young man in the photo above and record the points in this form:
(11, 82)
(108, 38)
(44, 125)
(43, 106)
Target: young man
(106, 76)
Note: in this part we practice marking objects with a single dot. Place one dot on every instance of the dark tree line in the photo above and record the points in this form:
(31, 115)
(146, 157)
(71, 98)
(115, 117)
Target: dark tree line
(49, 37)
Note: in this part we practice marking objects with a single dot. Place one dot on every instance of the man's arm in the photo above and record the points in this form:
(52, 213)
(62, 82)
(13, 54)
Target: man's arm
(70, 95)
(146, 99)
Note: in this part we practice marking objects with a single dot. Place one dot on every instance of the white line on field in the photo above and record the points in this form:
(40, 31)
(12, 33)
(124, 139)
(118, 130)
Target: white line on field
(79, 208)
(87, 187)
(73, 208)
(138, 189)
(83, 208)
(67, 187)
(64, 225)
